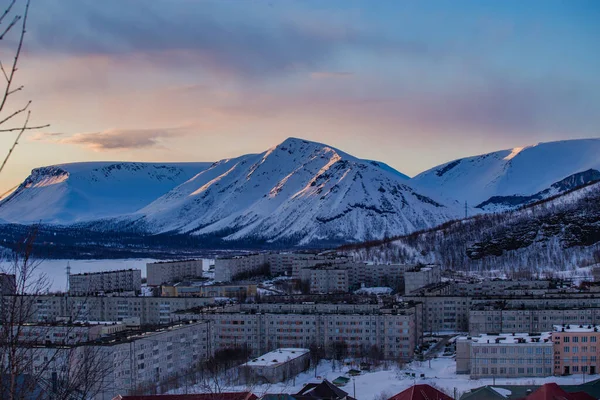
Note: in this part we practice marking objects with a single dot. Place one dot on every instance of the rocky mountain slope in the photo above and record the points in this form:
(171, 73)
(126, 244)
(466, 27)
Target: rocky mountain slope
(555, 234)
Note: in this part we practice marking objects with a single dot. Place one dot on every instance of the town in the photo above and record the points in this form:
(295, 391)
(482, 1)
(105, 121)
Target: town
(255, 320)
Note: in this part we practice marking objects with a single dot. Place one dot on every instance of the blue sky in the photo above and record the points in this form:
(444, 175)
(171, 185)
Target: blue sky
(410, 83)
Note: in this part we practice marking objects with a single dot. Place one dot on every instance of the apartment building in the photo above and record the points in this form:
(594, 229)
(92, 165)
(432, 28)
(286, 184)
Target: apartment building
(509, 355)
(126, 280)
(539, 316)
(8, 284)
(500, 286)
(394, 329)
(276, 366)
(237, 290)
(127, 361)
(228, 269)
(146, 310)
(173, 271)
(421, 276)
(576, 349)
(66, 333)
(330, 278)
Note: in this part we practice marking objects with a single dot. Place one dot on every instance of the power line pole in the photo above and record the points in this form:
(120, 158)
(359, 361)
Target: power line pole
(466, 210)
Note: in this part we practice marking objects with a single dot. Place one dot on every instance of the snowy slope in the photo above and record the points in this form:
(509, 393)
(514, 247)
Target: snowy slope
(511, 178)
(68, 193)
(298, 192)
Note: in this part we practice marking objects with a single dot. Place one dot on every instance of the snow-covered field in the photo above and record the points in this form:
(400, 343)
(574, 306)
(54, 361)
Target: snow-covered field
(370, 385)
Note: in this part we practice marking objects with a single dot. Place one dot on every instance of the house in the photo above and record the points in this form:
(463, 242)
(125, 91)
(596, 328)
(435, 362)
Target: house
(276, 366)
(201, 396)
(322, 391)
(551, 391)
(421, 392)
(484, 393)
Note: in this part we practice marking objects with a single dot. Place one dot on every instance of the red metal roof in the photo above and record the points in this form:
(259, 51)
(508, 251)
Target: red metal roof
(421, 392)
(551, 391)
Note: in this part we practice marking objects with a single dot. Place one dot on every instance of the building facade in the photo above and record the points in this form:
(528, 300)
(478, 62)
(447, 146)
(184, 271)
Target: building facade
(394, 330)
(127, 280)
(420, 276)
(576, 349)
(146, 310)
(332, 278)
(126, 362)
(173, 271)
(505, 355)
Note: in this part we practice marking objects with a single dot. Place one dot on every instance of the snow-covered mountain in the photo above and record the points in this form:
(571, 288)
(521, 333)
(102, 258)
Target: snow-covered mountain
(298, 192)
(511, 178)
(555, 234)
(67, 193)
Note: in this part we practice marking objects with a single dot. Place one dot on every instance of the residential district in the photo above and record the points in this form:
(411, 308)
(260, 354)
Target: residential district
(261, 319)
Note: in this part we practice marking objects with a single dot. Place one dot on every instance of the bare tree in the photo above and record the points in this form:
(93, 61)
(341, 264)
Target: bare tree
(13, 20)
(33, 364)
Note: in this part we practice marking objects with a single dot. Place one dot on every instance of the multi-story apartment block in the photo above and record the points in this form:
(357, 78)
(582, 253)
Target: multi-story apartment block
(8, 284)
(330, 278)
(420, 276)
(228, 269)
(237, 290)
(501, 287)
(393, 329)
(127, 361)
(126, 280)
(505, 355)
(66, 333)
(538, 316)
(173, 271)
(576, 349)
(148, 310)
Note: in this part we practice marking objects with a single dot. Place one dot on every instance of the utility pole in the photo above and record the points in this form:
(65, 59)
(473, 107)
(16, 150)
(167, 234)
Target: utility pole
(354, 382)
(466, 210)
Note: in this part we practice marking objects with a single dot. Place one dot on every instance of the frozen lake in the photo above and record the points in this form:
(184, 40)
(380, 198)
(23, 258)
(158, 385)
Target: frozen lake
(56, 270)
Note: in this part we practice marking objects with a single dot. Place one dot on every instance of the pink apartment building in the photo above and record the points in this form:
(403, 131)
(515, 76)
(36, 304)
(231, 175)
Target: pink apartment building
(576, 349)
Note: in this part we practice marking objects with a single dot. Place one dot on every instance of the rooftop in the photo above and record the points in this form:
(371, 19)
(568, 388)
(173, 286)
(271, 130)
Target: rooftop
(106, 272)
(576, 328)
(277, 357)
(509, 338)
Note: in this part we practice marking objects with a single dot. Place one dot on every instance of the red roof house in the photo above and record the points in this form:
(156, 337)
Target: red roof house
(551, 391)
(421, 392)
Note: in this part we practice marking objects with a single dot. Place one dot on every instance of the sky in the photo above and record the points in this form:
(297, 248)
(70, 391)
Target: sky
(410, 83)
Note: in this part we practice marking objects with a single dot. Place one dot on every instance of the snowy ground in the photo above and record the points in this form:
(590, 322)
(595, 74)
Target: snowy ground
(390, 381)
(56, 271)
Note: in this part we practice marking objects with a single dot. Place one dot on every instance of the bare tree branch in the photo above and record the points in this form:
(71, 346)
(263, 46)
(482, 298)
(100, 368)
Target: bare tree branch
(9, 76)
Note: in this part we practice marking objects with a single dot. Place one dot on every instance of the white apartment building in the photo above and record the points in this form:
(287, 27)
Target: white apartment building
(505, 355)
(326, 278)
(126, 280)
(172, 271)
(132, 360)
(393, 329)
(420, 276)
(148, 310)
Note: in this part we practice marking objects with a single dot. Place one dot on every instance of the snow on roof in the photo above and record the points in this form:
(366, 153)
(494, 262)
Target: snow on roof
(576, 328)
(509, 338)
(502, 391)
(277, 357)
